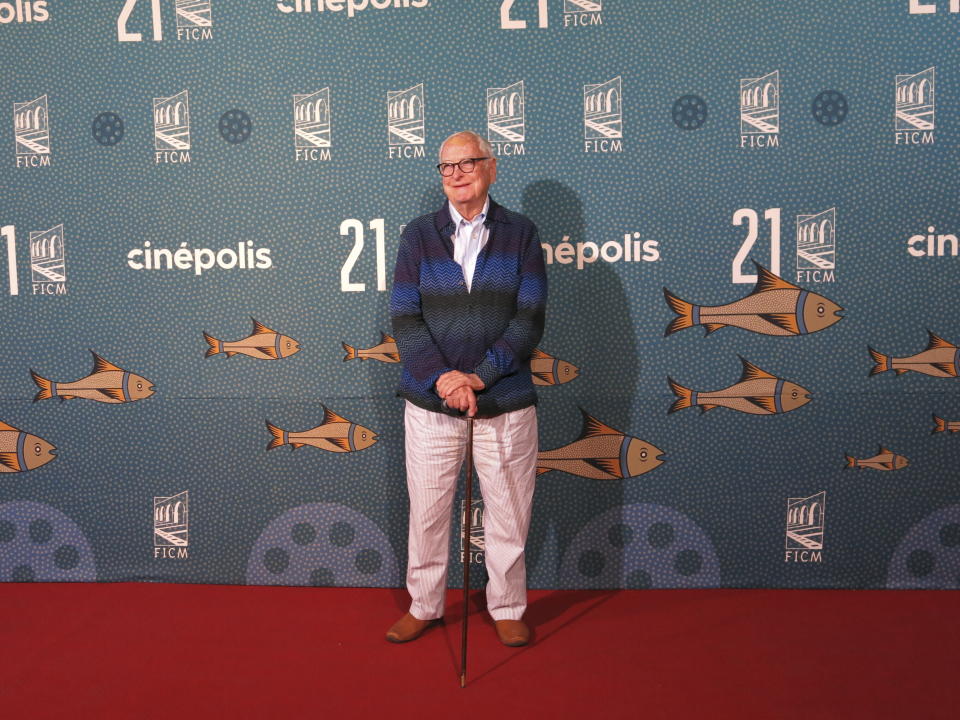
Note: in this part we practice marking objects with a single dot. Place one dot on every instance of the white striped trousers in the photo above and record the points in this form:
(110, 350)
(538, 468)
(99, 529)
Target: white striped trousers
(505, 459)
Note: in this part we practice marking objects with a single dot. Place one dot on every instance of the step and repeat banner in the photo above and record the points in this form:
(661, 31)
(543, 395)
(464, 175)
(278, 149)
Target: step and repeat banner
(748, 211)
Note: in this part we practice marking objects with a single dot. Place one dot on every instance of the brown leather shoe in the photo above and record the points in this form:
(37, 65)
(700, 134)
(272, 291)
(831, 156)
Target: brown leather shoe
(513, 633)
(408, 628)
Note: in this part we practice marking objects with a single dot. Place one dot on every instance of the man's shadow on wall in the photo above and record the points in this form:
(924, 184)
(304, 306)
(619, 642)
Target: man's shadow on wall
(588, 324)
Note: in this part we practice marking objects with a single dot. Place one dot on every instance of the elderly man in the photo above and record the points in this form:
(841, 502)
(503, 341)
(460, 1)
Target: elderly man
(468, 302)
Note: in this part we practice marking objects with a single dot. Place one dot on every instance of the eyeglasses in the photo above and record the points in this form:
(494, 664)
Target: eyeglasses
(466, 165)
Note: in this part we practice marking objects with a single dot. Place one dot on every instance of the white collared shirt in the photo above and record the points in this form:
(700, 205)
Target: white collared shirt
(464, 230)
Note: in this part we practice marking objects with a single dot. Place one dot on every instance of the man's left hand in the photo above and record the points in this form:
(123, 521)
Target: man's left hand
(451, 381)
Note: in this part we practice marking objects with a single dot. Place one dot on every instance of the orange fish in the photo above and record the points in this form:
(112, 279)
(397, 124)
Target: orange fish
(775, 307)
(949, 425)
(335, 434)
(939, 359)
(757, 393)
(386, 351)
(20, 451)
(601, 453)
(548, 370)
(263, 343)
(107, 383)
(883, 460)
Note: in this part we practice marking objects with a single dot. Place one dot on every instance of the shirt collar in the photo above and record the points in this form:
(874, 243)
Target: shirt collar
(458, 218)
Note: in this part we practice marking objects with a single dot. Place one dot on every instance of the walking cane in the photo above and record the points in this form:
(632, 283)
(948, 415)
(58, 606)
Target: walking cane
(468, 512)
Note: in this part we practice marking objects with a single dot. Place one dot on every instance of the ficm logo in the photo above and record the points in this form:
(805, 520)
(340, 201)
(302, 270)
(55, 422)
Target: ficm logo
(916, 105)
(804, 533)
(817, 246)
(23, 11)
(31, 121)
(760, 111)
(351, 6)
(171, 525)
(311, 125)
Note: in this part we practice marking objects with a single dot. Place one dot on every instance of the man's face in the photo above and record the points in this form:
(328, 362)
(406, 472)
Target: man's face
(467, 189)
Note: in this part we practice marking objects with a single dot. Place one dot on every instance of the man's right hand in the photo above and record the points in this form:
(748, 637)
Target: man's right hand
(463, 399)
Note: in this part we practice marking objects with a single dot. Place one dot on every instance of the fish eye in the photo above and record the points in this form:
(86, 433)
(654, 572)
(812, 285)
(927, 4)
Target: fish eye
(794, 394)
(37, 449)
(566, 371)
(139, 386)
(643, 454)
(363, 436)
(820, 309)
(288, 344)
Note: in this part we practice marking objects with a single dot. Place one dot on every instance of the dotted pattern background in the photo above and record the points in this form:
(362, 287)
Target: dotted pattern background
(929, 556)
(40, 543)
(203, 430)
(323, 544)
(640, 547)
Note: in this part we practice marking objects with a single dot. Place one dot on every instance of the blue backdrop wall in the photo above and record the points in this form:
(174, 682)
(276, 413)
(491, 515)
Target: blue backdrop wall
(748, 210)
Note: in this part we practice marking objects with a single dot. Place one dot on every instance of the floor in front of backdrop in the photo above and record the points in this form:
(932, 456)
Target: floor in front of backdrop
(138, 650)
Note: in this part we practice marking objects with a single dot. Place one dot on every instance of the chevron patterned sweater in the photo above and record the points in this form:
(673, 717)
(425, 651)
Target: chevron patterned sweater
(490, 331)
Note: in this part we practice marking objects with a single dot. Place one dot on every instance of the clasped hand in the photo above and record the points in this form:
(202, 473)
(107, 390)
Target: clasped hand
(459, 390)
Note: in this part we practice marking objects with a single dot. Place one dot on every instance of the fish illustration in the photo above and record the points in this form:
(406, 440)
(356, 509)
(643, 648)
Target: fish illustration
(106, 383)
(335, 434)
(21, 451)
(883, 460)
(939, 359)
(263, 343)
(386, 351)
(548, 370)
(757, 392)
(775, 307)
(601, 453)
(941, 425)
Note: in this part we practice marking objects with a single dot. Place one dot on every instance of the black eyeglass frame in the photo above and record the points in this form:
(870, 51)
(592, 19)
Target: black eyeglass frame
(459, 164)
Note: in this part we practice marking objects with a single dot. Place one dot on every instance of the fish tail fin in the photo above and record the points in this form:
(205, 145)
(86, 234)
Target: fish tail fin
(215, 345)
(882, 362)
(940, 424)
(279, 436)
(851, 462)
(46, 387)
(684, 396)
(684, 311)
(351, 352)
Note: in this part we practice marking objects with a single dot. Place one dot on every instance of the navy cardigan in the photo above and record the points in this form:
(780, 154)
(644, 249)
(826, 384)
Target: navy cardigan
(490, 331)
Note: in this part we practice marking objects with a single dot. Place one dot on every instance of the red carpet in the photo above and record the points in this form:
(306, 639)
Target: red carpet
(185, 651)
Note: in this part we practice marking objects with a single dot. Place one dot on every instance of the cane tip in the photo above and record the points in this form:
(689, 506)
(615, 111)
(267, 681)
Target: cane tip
(463, 681)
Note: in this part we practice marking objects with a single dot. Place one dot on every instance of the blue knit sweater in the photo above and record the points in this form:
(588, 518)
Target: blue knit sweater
(490, 331)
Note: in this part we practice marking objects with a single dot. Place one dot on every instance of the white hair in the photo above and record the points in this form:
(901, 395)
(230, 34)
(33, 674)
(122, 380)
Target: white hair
(481, 142)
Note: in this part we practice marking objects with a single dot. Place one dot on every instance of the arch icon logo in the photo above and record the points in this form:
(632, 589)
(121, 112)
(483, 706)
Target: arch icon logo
(406, 123)
(311, 126)
(760, 111)
(916, 105)
(506, 125)
(603, 116)
(47, 262)
(171, 525)
(817, 246)
(805, 522)
(171, 128)
(31, 123)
